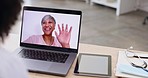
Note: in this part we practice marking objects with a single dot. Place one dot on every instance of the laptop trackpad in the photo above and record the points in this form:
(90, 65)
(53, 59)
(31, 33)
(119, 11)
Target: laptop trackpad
(37, 65)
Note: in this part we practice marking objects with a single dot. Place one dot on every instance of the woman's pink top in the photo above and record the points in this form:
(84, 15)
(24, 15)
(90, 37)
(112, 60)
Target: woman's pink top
(38, 39)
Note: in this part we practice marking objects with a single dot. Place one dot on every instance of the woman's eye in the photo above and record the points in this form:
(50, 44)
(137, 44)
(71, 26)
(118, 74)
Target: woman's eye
(43, 22)
(49, 22)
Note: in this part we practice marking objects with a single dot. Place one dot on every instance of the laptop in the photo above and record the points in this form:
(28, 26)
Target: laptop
(49, 59)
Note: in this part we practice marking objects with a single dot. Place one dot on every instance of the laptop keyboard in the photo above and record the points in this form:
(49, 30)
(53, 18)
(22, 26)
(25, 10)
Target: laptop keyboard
(44, 55)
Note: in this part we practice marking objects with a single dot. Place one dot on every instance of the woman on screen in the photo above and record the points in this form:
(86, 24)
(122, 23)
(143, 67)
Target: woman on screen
(48, 26)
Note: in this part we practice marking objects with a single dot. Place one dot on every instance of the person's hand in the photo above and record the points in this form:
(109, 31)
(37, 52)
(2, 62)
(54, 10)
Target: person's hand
(64, 35)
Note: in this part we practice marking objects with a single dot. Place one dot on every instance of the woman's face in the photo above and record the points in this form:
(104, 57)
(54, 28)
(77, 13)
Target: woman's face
(48, 26)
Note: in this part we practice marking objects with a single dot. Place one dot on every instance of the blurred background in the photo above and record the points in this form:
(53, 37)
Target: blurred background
(100, 23)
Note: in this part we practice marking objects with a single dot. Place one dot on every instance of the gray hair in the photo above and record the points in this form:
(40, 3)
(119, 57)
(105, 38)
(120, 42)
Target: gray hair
(47, 17)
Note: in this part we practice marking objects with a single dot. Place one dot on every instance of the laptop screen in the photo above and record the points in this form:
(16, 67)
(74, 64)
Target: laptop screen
(48, 27)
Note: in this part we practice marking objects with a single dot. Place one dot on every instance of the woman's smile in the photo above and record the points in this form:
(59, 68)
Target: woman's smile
(47, 29)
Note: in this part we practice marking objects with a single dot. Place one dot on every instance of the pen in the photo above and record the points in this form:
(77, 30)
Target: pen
(144, 57)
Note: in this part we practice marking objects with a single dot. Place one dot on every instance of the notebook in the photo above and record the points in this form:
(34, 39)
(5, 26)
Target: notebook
(49, 39)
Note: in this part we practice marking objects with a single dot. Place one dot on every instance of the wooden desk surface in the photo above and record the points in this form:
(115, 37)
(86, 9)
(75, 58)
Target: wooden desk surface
(85, 48)
(12, 42)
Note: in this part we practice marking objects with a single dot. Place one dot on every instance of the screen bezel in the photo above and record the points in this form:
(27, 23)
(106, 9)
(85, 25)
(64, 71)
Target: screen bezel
(90, 74)
(43, 9)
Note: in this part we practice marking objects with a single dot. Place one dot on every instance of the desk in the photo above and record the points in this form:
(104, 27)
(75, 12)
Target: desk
(12, 42)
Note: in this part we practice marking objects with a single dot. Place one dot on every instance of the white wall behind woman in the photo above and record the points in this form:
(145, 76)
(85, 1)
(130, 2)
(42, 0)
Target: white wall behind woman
(143, 5)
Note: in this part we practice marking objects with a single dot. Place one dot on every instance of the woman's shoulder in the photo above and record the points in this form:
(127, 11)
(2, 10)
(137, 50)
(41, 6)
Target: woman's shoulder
(9, 63)
(4, 54)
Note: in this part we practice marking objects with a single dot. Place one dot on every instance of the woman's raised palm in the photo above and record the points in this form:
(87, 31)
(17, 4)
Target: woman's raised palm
(64, 36)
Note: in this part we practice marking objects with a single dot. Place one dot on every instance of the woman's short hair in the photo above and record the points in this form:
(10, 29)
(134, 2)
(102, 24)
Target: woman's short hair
(9, 11)
(47, 17)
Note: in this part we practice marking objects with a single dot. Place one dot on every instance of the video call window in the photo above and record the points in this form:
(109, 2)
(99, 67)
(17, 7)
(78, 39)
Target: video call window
(50, 29)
